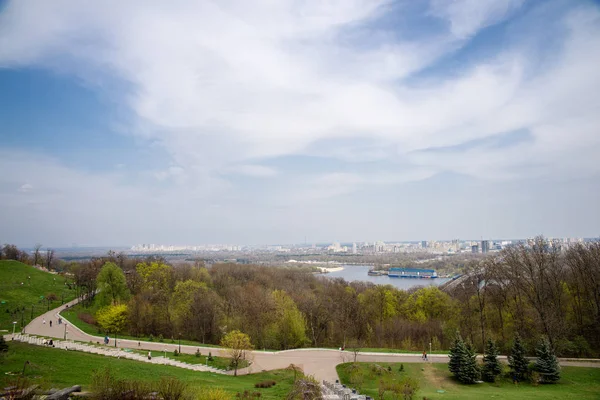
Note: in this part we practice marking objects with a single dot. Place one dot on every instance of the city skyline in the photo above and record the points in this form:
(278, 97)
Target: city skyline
(260, 122)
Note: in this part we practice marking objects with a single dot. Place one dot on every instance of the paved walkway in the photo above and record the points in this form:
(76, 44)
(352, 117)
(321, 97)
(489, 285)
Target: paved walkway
(318, 362)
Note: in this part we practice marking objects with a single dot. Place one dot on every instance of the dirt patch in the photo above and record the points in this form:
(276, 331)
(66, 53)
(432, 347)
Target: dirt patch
(435, 378)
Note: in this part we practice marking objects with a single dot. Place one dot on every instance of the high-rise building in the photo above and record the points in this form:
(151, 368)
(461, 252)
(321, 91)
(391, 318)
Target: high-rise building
(353, 248)
(485, 246)
(424, 244)
(475, 249)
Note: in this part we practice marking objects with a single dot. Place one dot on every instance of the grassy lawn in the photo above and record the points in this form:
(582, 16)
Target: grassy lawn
(382, 350)
(576, 383)
(19, 301)
(59, 368)
(217, 362)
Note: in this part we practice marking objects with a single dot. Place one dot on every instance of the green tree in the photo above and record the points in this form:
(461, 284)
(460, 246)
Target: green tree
(237, 344)
(305, 388)
(112, 319)
(517, 361)
(491, 366)
(469, 370)
(112, 284)
(290, 328)
(546, 364)
(155, 276)
(457, 355)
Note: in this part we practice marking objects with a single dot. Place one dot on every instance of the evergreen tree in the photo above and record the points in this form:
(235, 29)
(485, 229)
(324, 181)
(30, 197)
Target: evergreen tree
(546, 364)
(469, 370)
(457, 354)
(491, 366)
(517, 361)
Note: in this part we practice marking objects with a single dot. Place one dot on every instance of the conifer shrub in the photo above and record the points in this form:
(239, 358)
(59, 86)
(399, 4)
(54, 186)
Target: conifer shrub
(546, 364)
(491, 366)
(517, 361)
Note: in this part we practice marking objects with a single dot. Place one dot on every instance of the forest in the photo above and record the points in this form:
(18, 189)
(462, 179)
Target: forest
(532, 290)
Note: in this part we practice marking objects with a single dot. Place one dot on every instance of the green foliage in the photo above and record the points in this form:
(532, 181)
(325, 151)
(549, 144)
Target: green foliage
(171, 388)
(289, 327)
(112, 284)
(463, 361)
(546, 364)
(237, 343)
(112, 318)
(430, 303)
(265, 384)
(175, 353)
(198, 354)
(517, 361)
(161, 338)
(491, 366)
(155, 276)
(305, 388)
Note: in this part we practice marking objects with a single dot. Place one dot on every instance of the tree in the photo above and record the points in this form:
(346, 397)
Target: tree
(491, 366)
(37, 256)
(290, 328)
(49, 258)
(112, 284)
(469, 371)
(517, 361)
(237, 343)
(457, 355)
(546, 364)
(112, 319)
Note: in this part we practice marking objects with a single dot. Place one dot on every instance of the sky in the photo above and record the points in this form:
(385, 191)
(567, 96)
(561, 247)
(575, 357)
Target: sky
(263, 121)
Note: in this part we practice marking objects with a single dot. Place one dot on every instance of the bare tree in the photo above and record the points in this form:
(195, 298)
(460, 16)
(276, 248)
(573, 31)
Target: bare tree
(37, 256)
(49, 258)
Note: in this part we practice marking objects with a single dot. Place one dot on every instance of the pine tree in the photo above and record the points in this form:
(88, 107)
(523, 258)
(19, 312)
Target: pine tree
(546, 364)
(517, 361)
(457, 354)
(469, 370)
(491, 366)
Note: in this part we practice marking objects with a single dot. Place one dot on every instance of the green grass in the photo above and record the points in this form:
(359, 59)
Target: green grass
(59, 368)
(383, 350)
(217, 362)
(17, 300)
(576, 383)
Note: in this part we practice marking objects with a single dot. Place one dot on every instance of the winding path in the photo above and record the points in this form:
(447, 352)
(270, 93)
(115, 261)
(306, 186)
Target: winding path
(317, 362)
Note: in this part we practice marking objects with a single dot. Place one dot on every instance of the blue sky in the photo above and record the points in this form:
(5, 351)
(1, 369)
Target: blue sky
(267, 122)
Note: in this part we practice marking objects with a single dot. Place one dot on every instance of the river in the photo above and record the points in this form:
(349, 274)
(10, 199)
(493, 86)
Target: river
(353, 273)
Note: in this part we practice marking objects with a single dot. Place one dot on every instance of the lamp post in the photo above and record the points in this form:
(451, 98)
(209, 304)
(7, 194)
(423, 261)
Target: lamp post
(179, 343)
(65, 331)
(165, 351)
(14, 325)
(429, 347)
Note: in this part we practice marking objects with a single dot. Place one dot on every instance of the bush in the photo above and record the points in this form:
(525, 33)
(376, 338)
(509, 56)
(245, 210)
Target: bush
(151, 338)
(106, 386)
(173, 389)
(161, 338)
(401, 369)
(198, 354)
(265, 384)
(176, 353)
(491, 366)
(518, 362)
(210, 357)
(546, 364)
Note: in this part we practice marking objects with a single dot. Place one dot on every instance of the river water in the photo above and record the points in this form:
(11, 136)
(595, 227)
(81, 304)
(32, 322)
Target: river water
(353, 273)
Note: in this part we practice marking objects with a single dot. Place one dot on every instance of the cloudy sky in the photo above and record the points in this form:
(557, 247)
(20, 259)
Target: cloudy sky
(268, 121)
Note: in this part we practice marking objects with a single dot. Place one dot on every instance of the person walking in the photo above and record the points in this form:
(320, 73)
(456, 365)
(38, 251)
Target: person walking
(149, 355)
(44, 321)
(50, 323)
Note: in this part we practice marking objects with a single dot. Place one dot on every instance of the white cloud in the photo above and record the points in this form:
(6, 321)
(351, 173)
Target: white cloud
(25, 188)
(223, 86)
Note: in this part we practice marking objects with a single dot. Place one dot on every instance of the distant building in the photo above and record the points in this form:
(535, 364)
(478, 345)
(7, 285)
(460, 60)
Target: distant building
(475, 249)
(353, 248)
(424, 244)
(485, 246)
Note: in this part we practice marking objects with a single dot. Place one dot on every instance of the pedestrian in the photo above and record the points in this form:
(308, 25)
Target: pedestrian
(44, 321)
(425, 355)
(50, 323)
(149, 355)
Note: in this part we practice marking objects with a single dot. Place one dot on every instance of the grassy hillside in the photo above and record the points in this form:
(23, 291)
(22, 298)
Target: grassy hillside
(58, 368)
(21, 290)
(576, 383)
